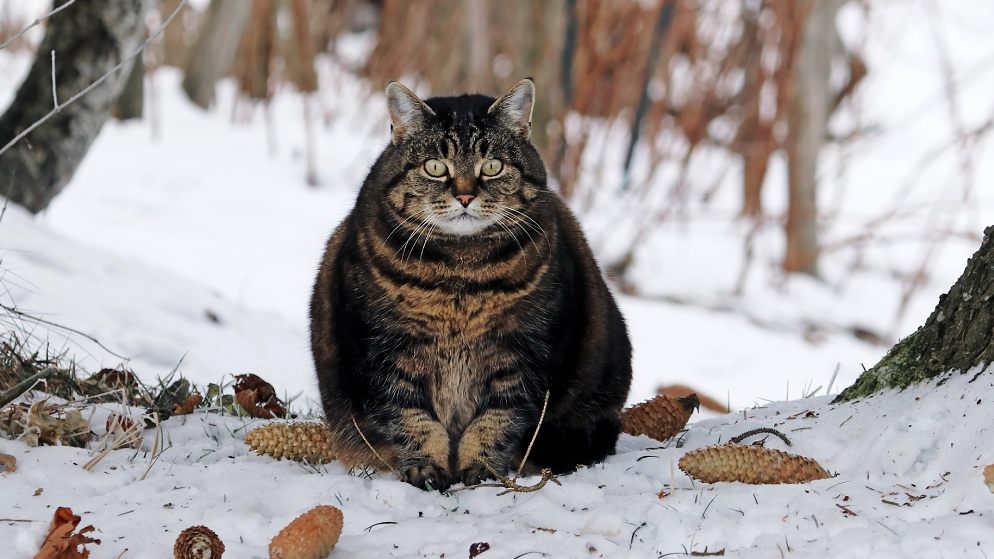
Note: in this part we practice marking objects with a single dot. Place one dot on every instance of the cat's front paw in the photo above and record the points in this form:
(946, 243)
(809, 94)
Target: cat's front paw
(476, 473)
(428, 476)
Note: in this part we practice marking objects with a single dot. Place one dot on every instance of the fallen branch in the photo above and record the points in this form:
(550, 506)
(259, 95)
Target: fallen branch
(25, 385)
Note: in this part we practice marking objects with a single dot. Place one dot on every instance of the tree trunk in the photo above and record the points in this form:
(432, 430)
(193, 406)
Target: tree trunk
(89, 38)
(958, 336)
(811, 101)
(213, 52)
(131, 103)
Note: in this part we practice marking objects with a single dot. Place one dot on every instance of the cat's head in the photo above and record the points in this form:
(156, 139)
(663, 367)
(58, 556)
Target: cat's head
(462, 165)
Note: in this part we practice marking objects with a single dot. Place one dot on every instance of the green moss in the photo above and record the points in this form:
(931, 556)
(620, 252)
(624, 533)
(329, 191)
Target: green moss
(901, 367)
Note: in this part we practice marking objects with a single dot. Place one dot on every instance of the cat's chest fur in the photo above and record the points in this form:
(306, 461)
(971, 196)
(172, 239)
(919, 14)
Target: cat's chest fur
(457, 348)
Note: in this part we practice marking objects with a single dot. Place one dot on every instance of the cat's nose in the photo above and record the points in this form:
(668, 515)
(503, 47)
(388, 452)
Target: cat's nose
(465, 199)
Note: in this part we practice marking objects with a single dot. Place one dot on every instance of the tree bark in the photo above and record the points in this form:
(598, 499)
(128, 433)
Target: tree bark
(131, 103)
(214, 50)
(811, 101)
(958, 336)
(89, 38)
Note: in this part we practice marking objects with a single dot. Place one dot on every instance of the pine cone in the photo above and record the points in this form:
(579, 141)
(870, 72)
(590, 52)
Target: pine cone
(311, 535)
(198, 542)
(749, 464)
(660, 418)
(303, 442)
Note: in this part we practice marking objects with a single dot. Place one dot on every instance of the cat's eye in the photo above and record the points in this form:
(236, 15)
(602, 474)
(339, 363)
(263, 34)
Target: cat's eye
(492, 167)
(435, 168)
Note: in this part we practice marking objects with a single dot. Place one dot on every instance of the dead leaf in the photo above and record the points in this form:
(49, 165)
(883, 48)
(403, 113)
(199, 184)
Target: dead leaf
(8, 463)
(257, 397)
(989, 477)
(62, 541)
(189, 404)
(679, 391)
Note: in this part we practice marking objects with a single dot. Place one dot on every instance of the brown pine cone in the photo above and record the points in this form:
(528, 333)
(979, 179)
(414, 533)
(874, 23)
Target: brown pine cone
(311, 535)
(749, 464)
(198, 542)
(660, 418)
(303, 442)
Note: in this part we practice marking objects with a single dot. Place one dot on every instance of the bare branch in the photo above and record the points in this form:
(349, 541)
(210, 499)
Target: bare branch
(36, 22)
(98, 81)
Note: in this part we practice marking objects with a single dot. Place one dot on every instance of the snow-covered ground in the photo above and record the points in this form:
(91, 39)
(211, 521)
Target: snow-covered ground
(906, 485)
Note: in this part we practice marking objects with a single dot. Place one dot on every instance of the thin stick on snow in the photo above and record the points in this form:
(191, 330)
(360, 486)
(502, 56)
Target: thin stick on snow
(769, 430)
(55, 96)
(511, 485)
(98, 81)
(831, 381)
(377, 454)
(36, 23)
(531, 443)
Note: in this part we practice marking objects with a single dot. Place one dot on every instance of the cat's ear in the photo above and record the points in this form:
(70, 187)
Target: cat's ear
(408, 112)
(514, 109)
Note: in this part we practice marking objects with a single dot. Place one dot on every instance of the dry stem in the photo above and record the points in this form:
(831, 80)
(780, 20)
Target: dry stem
(770, 430)
(511, 485)
(377, 454)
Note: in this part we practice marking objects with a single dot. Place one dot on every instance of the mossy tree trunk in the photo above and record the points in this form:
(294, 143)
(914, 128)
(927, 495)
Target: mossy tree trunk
(958, 336)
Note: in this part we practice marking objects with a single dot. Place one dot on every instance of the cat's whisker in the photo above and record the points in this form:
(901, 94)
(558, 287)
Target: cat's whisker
(506, 228)
(401, 224)
(434, 222)
(521, 224)
(537, 227)
(401, 251)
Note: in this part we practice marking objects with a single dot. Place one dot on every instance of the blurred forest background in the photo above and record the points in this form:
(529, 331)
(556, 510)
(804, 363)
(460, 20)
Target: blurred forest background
(785, 162)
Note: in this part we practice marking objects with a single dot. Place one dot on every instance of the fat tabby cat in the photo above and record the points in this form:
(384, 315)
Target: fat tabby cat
(455, 295)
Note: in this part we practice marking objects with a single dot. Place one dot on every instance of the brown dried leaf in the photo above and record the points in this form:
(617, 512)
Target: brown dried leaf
(989, 477)
(189, 404)
(8, 463)
(257, 397)
(62, 542)
(681, 390)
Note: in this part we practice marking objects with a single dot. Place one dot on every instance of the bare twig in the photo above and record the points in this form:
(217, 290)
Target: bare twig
(23, 386)
(511, 485)
(36, 23)
(98, 81)
(770, 430)
(376, 454)
(19, 313)
(531, 443)
(55, 96)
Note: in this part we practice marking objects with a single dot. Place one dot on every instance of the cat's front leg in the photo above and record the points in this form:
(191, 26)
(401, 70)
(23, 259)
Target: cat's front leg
(489, 445)
(424, 458)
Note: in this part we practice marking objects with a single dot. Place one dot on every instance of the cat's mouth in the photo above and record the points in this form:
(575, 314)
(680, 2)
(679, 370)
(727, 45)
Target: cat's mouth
(464, 222)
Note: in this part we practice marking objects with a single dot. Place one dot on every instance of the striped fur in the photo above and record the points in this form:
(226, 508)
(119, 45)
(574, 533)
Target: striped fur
(441, 345)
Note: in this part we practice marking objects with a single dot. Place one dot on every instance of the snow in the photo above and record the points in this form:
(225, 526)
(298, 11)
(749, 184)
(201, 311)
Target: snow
(913, 485)
(191, 214)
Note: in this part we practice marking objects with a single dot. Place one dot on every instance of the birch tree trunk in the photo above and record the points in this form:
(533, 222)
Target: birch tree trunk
(89, 38)
(212, 54)
(811, 102)
(958, 336)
